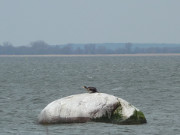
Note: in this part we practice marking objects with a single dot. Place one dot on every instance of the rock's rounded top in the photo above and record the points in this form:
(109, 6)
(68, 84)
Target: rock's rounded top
(85, 107)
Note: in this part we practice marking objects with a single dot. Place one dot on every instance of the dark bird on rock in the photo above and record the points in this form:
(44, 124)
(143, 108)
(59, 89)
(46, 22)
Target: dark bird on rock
(90, 89)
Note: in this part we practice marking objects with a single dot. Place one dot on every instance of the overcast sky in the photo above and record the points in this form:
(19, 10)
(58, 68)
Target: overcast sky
(89, 21)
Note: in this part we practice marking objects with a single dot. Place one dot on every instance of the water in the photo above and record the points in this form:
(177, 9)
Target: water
(28, 84)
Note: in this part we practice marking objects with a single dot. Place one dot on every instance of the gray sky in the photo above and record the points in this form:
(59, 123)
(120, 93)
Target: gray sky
(89, 21)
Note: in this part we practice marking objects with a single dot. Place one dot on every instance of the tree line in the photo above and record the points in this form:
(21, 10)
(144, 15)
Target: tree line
(42, 48)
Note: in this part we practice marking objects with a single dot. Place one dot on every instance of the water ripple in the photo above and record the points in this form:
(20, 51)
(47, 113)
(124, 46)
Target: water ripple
(28, 84)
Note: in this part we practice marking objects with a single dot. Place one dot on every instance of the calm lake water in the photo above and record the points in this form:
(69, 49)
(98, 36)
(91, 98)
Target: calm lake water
(28, 84)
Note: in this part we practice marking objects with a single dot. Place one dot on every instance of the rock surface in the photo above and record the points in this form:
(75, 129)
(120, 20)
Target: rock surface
(85, 107)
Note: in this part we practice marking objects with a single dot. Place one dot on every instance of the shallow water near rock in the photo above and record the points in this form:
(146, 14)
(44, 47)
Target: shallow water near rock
(28, 84)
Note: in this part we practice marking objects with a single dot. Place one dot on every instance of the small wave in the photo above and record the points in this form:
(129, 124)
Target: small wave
(118, 88)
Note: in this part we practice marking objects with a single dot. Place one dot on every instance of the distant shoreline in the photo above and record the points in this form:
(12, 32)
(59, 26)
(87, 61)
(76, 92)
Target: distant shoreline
(94, 55)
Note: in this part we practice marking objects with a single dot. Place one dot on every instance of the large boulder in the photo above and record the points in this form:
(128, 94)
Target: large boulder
(85, 107)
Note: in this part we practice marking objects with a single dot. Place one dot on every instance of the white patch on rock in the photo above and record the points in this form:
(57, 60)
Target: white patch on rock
(127, 108)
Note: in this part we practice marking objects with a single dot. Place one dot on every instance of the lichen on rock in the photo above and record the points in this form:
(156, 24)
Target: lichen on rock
(137, 118)
(117, 116)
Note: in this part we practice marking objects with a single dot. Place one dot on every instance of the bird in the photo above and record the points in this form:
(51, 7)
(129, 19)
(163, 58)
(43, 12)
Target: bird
(90, 89)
